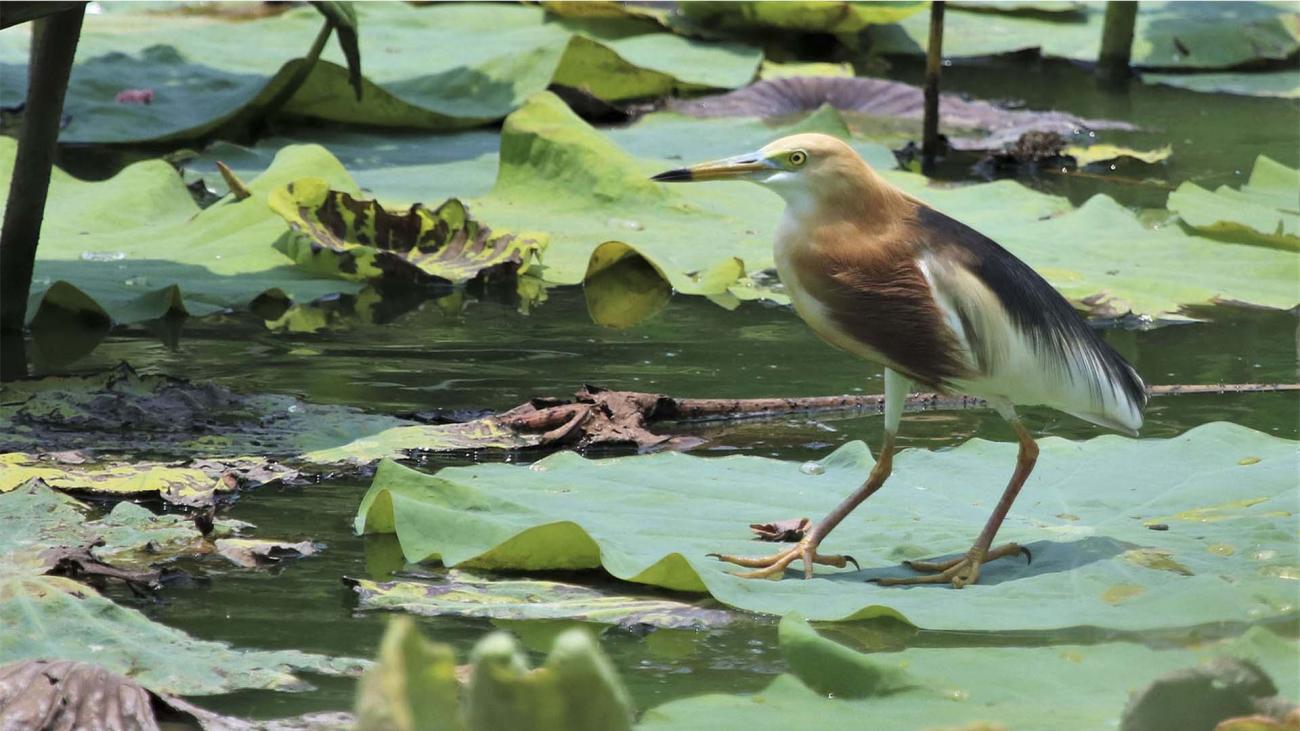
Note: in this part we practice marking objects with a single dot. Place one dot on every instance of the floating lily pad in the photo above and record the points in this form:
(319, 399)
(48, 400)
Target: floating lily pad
(652, 519)
(1205, 35)
(490, 59)
(464, 594)
(181, 485)
(816, 16)
(1265, 210)
(1284, 84)
(1081, 688)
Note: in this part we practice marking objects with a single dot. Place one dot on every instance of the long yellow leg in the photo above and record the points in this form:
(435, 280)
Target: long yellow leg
(806, 550)
(966, 569)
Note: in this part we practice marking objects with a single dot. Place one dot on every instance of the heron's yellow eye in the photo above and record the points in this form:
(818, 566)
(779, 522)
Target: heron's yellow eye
(798, 157)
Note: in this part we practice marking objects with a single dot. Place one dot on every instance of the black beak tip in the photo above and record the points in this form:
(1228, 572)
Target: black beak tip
(678, 175)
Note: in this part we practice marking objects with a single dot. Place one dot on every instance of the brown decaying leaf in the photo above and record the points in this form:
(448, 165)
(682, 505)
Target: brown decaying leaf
(782, 531)
(64, 695)
(774, 97)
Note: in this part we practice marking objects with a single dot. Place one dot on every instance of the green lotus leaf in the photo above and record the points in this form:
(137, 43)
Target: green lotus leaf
(1284, 84)
(200, 86)
(1263, 211)
(812, 16)
(360, 240)
(1206, 35)
(1078, 687)
(412, 685)
(653, 520)
(56, 617)
(465, 594)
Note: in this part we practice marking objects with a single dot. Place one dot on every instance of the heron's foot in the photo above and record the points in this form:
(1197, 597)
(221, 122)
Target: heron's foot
(958, 571)
(773, 567)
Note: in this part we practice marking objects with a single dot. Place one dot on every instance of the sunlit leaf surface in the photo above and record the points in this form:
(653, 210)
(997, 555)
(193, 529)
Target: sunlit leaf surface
(1087, 514)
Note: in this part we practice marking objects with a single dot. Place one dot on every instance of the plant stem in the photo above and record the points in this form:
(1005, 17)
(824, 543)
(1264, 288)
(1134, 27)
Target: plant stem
(295, 82)
(54, 44)
(933, 64)
(1117, 42)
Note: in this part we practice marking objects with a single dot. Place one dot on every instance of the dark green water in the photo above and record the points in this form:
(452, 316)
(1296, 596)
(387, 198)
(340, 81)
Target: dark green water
(491, 357)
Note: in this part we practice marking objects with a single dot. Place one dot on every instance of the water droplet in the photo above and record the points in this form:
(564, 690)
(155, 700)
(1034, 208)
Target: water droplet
(537, 467)
(103, 255)
(137, 282)
(295, 408)
(626, 223)
(812, 468)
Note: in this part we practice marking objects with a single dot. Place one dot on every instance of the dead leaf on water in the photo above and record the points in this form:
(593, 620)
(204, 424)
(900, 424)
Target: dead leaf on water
(1121, 592)
(1154, 558)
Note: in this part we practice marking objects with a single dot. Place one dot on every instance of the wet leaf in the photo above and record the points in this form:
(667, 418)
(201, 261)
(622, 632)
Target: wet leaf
(1080, 688)
(368, 242)
(1086, 155)
(1206, 35)
(491, 59)
(136, 247)
(1263, 211)
(811, 16)
(465, 594)
(565, 512)
(1284, 84)
(254, 552)
(55, 617)
(179, 485)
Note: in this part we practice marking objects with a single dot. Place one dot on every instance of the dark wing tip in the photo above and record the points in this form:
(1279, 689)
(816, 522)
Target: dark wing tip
(679, 175)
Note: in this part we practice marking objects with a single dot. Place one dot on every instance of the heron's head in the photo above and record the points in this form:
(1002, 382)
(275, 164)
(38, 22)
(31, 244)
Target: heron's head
(803, 167)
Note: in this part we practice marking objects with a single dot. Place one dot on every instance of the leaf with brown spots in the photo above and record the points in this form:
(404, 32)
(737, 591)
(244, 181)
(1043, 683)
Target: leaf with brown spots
(334, 234)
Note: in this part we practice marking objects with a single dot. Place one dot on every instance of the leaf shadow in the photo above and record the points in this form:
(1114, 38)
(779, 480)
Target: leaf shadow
(1049, 557)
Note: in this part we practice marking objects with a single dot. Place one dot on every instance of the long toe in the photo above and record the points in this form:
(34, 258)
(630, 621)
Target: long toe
(774, 566)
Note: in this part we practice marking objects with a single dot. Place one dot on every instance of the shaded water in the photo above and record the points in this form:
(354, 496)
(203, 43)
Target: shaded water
(491, 357)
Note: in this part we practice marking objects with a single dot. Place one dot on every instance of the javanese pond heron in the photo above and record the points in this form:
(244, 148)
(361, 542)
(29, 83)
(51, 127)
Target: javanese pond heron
(885, 277)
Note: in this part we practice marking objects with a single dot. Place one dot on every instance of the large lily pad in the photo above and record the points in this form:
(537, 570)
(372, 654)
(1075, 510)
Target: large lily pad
(490, 59)
(464, 594)
(816, 16)
(1204, 35)
(1284, 84)
(1265, 210)
(1079, 688)
(1085, 515)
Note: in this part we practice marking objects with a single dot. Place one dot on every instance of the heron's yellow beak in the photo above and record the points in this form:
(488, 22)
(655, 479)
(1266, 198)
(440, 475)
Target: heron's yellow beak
(740, 167)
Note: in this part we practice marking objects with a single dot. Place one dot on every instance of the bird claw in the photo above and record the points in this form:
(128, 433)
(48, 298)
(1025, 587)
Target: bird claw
(772, 567)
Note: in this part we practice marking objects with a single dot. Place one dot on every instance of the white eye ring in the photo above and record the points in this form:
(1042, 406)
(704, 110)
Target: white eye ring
(798, 157)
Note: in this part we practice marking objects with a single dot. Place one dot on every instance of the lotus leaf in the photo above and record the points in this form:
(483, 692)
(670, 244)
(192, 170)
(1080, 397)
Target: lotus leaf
(359, 240)
(814, 16)
(1284, 84)
(56, 617)
(181, 485)
(1205, 35)
(515, 51)
(465, 594)
(1078, 687)
(1265, 210)
(652, 520)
